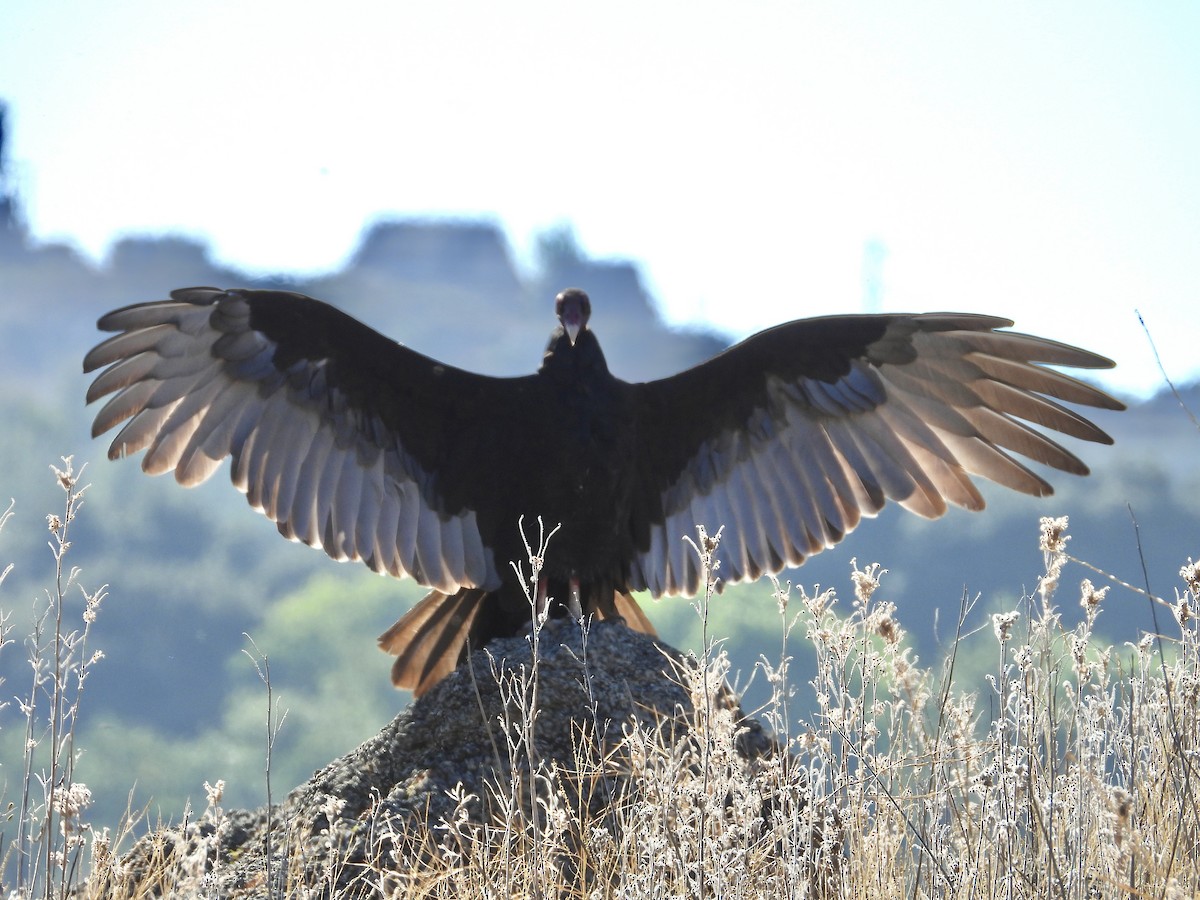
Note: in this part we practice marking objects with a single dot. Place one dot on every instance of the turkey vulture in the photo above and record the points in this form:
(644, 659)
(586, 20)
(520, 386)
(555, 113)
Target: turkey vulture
(374, 452)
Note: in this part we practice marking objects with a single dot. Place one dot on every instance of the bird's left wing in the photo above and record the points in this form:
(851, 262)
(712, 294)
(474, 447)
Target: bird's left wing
(341, 436)
(790, 437)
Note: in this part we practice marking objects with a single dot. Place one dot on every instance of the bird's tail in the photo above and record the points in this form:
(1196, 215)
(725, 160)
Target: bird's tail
(629, 610)
(428, 640)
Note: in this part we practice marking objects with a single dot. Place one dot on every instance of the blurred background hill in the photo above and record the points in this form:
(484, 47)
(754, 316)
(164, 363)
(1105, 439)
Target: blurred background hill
(175, 702)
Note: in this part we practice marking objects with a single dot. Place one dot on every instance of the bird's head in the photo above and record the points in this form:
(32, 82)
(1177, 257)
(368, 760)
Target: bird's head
(573, 308)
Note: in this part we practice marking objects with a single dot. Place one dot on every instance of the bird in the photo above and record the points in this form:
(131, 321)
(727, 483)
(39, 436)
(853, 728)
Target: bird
(372, 451)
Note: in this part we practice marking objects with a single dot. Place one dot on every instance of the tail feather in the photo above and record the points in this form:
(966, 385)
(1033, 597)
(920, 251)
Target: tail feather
(428, 640)
(631, 611)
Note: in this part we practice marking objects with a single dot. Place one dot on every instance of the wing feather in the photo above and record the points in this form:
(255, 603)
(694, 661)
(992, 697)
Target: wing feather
(453, 550)
(174, 433)
(1048, 382)
(302, 521)
(250, 460)
(302, 433)
(793, 436)
(327, 424)
(344, 486)
(385, 551)
(429, 548)
(655, 565)
(826, 480)
(734, 552)
(774, 523)
(804, 524)
(367, 522)
(754, 509)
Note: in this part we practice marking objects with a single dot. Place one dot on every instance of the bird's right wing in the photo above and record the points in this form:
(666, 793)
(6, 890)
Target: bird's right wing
(347, 440)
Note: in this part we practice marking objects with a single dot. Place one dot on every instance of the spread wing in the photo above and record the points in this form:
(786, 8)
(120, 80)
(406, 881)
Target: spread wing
(791, 437)
(347, 440)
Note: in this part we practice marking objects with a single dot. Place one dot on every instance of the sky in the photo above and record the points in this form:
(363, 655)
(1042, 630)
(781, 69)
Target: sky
(759, 161)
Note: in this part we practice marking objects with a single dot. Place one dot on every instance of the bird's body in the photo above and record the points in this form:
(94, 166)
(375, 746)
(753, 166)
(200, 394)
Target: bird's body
(368, 449)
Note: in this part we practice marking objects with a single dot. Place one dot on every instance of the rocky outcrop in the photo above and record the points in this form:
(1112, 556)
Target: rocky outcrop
(455, 764)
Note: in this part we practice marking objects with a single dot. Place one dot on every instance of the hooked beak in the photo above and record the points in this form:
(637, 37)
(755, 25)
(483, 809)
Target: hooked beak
(573, 308)
(572, 318)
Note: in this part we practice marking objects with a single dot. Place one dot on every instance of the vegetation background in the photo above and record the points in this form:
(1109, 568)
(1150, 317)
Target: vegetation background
(176, 702)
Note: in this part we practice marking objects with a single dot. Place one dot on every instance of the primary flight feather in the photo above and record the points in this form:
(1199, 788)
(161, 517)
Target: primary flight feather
(373, 452)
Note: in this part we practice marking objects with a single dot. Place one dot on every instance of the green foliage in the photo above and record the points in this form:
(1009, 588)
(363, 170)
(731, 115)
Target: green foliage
(333, 685)
(329, 698)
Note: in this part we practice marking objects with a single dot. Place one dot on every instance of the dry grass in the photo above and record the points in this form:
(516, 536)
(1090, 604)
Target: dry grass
(44, 847)
(1068, 769)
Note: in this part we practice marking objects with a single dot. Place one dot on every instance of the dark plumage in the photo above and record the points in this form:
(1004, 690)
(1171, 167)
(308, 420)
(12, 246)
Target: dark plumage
(368, 449)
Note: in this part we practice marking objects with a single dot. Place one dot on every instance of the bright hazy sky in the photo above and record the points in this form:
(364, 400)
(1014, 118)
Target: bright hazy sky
(1038, 161)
